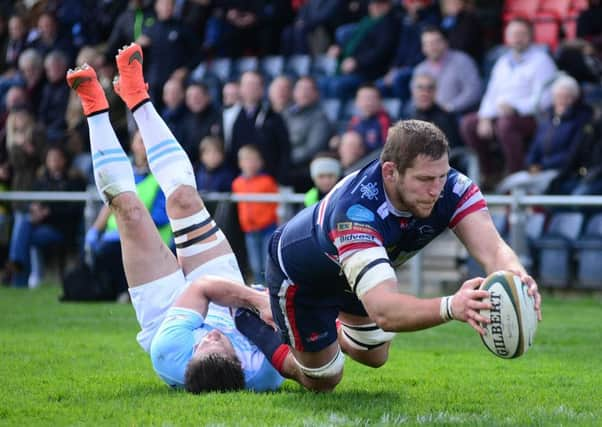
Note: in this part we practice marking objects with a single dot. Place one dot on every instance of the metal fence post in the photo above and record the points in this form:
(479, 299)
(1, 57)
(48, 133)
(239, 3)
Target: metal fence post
(518, 221)
(416, 273)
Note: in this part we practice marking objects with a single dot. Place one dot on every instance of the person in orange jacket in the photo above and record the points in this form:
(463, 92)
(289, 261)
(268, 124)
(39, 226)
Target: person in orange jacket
(258, 220)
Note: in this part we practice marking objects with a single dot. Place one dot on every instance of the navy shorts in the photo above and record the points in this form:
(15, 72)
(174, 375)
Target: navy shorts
(304, 307)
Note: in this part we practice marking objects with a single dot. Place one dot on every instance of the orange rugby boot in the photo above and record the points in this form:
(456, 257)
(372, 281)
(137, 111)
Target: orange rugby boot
(130, 84)
(84, 82)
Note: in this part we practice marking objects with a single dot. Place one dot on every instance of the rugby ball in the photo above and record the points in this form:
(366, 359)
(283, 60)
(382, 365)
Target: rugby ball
(513, 319)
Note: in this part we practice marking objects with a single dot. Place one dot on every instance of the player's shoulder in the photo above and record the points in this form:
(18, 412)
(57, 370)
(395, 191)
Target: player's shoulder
(458, 184)
(364, 186)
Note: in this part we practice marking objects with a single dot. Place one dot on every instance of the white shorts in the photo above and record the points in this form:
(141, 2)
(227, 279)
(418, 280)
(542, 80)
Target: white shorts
(152, 300)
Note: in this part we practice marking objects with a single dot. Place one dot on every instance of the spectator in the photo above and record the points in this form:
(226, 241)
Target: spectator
(506, 116)
(589, 24)
(280, 94)
(129, 26)
(557, 136)
(426, 108)
(458, 82)
(17, 39)
(309, 130)
(258, 220)
(365, 53)
(174, 112)
(171, 50)
(325, 172)
(311, 29)
(16, 97)
(49, 39)
(212, 173)
(253, 122)
(351, 150)
(52, 109)
(102, 239)
(203, 120)
(31, 75)
(462, 27)
(418, 14)
(371, 121)
(230, 94)
(47, 223)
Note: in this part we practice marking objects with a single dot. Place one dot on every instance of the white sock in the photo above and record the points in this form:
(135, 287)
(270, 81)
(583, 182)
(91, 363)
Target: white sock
(167, 160)
(112, 169)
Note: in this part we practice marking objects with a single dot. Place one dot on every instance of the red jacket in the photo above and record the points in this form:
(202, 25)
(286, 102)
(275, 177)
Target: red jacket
(254, 216)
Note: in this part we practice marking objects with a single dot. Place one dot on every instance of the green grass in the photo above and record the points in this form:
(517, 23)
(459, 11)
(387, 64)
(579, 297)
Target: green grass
(79, 364)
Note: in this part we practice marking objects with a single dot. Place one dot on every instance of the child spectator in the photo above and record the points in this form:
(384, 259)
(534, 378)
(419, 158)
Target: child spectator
(325, 170)
(212, 173)
(257, 219)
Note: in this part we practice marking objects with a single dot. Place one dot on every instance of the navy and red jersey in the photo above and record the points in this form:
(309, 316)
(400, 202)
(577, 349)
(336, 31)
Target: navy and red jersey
(357, 215)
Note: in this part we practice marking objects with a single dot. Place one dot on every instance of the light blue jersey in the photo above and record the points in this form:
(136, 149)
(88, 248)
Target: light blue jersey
(183, 329)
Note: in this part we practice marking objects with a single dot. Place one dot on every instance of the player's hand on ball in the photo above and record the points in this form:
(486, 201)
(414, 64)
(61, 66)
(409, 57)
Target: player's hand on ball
(532, 290)
(468, 301)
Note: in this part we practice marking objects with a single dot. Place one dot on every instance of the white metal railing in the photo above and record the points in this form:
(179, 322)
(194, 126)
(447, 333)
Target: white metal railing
(518, 202)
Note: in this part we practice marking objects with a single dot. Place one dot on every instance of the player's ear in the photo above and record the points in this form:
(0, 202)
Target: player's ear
(388, 170)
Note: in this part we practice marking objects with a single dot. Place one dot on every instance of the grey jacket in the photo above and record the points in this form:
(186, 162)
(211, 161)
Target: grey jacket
(309, 130)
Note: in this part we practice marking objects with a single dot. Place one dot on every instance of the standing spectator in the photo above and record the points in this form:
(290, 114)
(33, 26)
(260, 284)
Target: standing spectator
(17, 39)
(315, 20)
(351, 149)
(558, 134)
(175, 112)
(47, 223)
(366, 52)
(170, 50)
(506, 116)
(418, 14)
(203, 120)
(212, 172)
(426, 108)
(372, 121)
(458, 82)
(325, 172)
(50, 39)
(230, 94)
(52, 109)
(462, 27)
(258, 220)
(254, 122)
(309, 130)
(129, 26)
(280, 94)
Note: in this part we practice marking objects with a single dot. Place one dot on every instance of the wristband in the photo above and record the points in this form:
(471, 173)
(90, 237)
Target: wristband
(445, 308)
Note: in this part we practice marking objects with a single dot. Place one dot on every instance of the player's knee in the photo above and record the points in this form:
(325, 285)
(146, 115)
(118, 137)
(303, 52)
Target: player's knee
(184, 200)
(325, 377)
(376, 359)
(128, 208)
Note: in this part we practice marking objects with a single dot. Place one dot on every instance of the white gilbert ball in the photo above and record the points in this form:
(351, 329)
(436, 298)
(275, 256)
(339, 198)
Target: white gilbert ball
(513, 318)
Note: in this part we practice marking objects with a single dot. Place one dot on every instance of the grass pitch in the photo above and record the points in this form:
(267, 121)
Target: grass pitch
(79, 364)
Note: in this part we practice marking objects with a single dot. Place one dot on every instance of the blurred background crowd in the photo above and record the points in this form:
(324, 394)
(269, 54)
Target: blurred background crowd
(266, 94)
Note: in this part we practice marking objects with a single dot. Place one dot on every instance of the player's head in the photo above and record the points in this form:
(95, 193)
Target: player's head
(214, 366)
(415, 164)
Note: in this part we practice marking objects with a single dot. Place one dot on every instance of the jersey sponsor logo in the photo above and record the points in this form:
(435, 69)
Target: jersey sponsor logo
(383, 210)
(356, 237)
(314, 336)
(461, 184)
(369, 191)
(344, 226)
(360, 213)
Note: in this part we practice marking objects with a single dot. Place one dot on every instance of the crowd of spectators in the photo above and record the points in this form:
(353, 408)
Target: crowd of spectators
(344, 71)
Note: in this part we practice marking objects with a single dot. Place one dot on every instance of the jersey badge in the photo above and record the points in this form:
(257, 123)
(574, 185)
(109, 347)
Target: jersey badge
(360, 213)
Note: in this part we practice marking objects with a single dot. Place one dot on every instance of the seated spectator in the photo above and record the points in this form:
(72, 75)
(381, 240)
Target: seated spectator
(418, 14)
(309, 130)
(557, 136)
(102, 239)
(47, 223)
(325, 172)
(582, 174)
(204, 118)
(254, 122)
(462, 27)
(589, 24)
(366, 53)
(31, 76)
(425, 107)
(230, 94)
(311, 29)
(506, 117)
(280, 94)
(52, 109)
(257, 220)
(174, 112)
(212, 172)
(351, 149)
(48, 38)
(372, 122)
(458, 81)
(579, 59)
(15, 45)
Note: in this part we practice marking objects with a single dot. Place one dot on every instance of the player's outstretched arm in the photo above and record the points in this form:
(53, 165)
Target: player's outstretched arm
(223, 292)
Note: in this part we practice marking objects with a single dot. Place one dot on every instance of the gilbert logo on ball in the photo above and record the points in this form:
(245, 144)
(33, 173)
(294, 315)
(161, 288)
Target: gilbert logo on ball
(513, 319)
